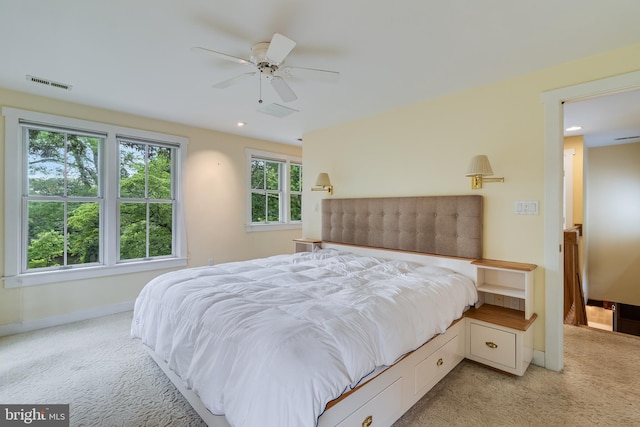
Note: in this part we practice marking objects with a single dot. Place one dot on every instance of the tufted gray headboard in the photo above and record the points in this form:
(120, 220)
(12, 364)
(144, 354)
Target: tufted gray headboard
(439, 225)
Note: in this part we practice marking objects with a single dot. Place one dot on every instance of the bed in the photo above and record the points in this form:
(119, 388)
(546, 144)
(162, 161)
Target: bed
(340, 336)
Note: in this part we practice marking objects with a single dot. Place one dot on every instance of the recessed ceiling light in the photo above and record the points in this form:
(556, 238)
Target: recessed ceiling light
(240, 124)
(572, 128)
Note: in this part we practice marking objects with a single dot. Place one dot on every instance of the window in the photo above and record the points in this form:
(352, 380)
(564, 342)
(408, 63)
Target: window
(295, 193)
(146, 200)
(275, 193)
(89, 199)
(62, 198)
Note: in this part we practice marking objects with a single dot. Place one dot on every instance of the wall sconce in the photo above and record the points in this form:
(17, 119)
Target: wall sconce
(478, 169)
(323, 183)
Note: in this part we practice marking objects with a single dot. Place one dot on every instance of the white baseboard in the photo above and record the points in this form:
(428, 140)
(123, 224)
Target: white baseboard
(62, 319)
(538, 358)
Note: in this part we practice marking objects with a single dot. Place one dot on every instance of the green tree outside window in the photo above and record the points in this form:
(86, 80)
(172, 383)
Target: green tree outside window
(63, 207)
(64, 199)
(276, 189)
(146, 208)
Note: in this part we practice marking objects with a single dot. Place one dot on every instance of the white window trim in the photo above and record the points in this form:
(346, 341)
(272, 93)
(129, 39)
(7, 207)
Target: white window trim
(267, 155)
(13, 195)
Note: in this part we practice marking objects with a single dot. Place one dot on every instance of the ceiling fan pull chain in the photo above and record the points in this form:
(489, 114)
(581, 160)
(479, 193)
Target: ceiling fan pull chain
(260, 98)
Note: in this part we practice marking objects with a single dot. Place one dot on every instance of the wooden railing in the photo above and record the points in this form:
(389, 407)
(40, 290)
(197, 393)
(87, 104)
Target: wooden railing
(574, 307)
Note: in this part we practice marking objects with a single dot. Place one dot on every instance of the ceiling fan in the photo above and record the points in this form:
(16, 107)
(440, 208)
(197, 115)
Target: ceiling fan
(268, 59)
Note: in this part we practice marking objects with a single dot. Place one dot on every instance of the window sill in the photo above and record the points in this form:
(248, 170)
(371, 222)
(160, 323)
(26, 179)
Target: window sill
(83, 273)
(249, 228)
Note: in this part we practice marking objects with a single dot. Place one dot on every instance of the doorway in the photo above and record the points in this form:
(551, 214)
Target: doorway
(553, 211)
(603, 134)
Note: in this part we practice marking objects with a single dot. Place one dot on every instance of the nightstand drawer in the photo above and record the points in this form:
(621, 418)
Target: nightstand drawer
(495, 345)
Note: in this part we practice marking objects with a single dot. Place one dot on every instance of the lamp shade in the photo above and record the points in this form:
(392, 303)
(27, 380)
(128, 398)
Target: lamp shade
(479, 166)
(323, 180)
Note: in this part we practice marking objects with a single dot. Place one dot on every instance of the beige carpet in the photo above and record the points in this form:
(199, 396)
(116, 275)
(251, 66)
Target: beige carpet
(110, 381)
(599, 386)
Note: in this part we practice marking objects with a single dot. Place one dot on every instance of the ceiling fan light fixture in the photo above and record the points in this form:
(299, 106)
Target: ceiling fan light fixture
(259, 53)
(268, 58)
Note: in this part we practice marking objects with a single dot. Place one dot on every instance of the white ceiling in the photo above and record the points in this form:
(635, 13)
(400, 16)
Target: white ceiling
(134, 55)
(605, 120)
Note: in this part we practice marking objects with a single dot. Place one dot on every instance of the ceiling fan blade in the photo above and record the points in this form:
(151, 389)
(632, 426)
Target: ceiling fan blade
(221, 55)
(234, 80)
(283, 90)
(311, 74)
(279, 48)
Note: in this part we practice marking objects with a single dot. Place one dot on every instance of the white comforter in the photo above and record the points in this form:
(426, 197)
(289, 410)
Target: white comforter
(269, 342)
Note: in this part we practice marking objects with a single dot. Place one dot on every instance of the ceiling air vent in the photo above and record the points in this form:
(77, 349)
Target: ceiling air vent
(46, 82)
(627, 137)
(277, 110)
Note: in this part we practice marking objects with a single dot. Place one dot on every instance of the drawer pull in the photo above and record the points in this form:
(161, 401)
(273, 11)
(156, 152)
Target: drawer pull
(367, 421)
(491, 344)
(439, 362)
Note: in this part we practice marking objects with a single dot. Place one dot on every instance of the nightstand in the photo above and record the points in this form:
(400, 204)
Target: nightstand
(307, 245)
(499, 329)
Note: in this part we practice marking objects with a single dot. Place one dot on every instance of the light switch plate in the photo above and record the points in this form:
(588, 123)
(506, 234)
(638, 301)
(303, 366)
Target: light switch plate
(525, 207)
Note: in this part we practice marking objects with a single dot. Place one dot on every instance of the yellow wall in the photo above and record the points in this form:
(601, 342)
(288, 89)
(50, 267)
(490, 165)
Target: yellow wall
(417, 150)
(577, 143)
(215, 212)
(424, 149)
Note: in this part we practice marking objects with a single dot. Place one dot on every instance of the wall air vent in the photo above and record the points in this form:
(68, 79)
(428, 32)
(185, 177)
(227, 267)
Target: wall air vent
(46, 82)
(277, 110)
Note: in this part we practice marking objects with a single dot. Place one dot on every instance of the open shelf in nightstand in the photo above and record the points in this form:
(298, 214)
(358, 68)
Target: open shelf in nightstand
(307, 245)
(506, 284)
(502, 290)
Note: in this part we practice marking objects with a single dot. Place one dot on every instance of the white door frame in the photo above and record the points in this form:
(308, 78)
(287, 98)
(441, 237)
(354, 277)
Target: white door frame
(553, 195)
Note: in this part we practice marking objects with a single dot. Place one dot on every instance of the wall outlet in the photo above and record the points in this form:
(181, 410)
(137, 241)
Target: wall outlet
(488, 299)
(210, 261)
